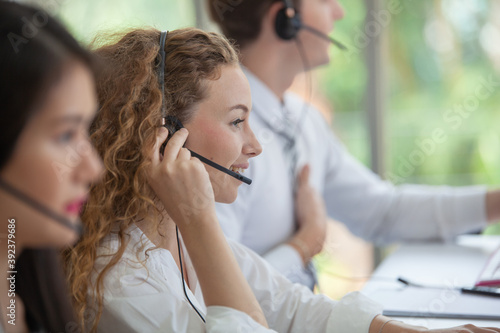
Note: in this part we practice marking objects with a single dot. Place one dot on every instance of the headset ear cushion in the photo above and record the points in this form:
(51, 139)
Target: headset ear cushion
(287, 28)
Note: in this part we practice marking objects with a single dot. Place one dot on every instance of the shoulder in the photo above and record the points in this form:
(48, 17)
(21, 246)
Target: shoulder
(141, 269)
(299, 105)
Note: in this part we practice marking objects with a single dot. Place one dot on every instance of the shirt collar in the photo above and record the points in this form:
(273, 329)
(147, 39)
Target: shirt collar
(265, 102)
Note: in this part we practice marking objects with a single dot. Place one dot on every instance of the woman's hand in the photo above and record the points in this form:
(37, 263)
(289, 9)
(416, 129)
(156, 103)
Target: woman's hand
(180, 181)
(311, 216)
(466, 329)
(382, 324)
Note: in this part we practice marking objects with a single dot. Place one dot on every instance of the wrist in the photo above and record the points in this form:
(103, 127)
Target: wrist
(313, 238)
(493, 205)
(382, 324)
(301, 248)
(386, 323)
(198, 224)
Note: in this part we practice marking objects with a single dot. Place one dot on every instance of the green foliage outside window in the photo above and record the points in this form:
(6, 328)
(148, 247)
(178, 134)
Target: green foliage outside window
(443, 84)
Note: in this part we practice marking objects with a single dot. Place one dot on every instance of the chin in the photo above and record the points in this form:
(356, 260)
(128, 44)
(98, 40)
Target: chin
(227, 197)
(58, 240)
(226, 200)
(46, 232)
(324, 60)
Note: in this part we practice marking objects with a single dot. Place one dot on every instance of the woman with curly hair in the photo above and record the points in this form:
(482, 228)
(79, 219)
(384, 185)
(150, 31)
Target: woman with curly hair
(130, 237)
(143, 276)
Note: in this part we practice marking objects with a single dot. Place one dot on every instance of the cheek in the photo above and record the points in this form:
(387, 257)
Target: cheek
(44, 175)
(318, 18)
(216, 144)
(36, 175)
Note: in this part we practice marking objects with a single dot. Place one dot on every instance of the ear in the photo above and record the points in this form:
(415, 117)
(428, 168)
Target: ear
(268, 22)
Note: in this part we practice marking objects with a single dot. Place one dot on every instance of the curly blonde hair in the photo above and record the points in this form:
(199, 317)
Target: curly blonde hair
(124, 131)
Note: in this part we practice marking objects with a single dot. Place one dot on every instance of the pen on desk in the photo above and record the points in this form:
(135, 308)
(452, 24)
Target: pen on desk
(483, 291)
(416, 314)
(408, 283)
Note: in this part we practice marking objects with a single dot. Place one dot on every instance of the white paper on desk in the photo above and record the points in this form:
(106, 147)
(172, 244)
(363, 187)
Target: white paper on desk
(437, 301)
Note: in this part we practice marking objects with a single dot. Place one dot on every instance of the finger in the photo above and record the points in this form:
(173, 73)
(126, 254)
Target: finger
(160, 138)
(175, 144)
(184, 154)
(303, 177)
(472, 328)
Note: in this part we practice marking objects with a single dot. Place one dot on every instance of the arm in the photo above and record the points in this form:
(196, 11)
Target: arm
(159, 312)
(493, 206)
(293, 308)
(141, 307)
(381, 324)
(311, 216)
(378, 211)
(183, 186)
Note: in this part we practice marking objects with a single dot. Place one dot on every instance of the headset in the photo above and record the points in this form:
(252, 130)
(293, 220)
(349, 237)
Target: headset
(76, 227)
(173, 124)
(288, 23)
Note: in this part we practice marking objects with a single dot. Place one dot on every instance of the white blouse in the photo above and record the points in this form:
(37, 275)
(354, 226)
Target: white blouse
(149, 297)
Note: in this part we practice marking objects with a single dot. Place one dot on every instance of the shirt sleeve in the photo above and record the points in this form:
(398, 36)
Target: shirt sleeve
(223, 319)
(148, 313)
(287, 261)
(381, 212)
(162, 313)
(293, 308)
(150, 298)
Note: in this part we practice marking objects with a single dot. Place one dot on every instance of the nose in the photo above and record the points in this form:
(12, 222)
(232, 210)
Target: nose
(252, 146)
(337, 11)
(90, 168)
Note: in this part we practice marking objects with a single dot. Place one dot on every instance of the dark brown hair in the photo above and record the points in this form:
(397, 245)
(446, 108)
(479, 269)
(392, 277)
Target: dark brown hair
(241, 20)
(35, 51)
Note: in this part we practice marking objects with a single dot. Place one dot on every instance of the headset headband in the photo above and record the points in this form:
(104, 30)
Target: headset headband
(161, 74)
(289, 9)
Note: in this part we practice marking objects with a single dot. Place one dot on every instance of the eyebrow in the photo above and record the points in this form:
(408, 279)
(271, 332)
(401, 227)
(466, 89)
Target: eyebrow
(72, 119)
(67, 119)
(239, 106)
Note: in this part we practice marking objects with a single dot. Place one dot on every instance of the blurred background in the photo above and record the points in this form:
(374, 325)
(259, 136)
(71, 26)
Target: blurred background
(416, 97)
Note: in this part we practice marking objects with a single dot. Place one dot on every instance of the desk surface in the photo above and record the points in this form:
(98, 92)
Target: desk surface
(432, 264)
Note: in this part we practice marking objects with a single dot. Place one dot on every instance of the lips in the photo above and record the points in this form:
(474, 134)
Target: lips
(239, 168)
(75, 206)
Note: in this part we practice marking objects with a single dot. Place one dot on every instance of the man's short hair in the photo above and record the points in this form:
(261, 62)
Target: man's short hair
(241, 20)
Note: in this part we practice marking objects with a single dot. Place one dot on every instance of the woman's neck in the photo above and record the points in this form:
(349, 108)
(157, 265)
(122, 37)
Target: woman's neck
(163, 235)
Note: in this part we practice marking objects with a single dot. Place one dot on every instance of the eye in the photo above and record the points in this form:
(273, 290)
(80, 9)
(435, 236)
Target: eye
(236, 123)
(66, 136)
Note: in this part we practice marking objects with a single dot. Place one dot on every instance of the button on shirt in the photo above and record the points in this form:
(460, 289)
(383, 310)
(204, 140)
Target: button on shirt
(144, 294)
(262, 217)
